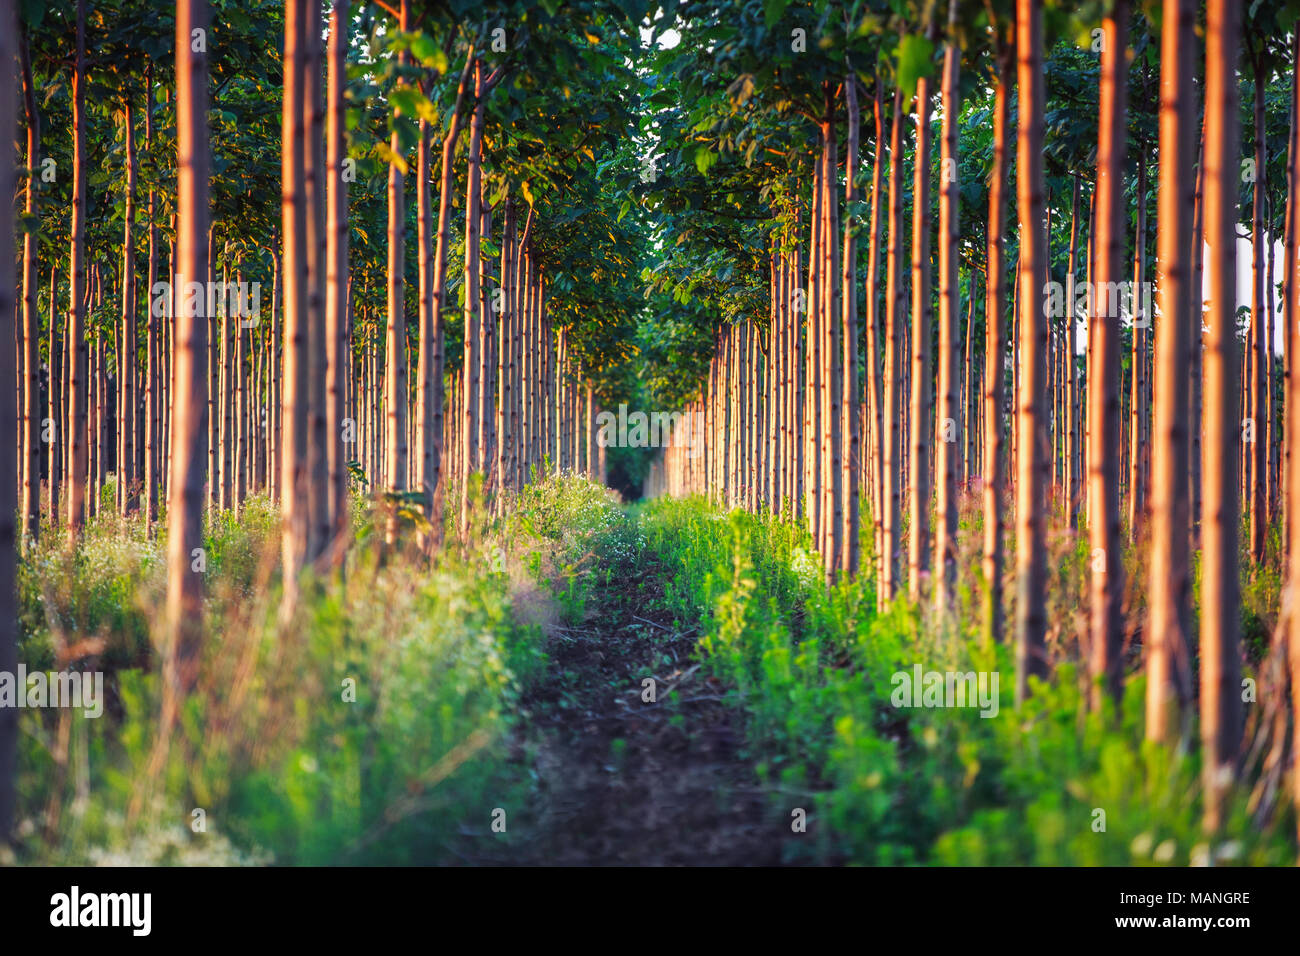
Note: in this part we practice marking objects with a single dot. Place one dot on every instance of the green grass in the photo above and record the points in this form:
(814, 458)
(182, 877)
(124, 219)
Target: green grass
(883, 785)
(372, 727)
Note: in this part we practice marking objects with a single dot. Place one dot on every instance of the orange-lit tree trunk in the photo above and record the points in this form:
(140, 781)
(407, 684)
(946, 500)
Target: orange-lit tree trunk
(1292, 590)
(8, 418)
(950, 428)
(1258, 384)
(126, 354)
(473, 324)
(1033, 464)
(1168, 646)
(875, 336)
(995, 350)
(189, 427)
(1220, 589)
(395, 342)
(921, 434)
(893, 466)
(77, 367)
(30, 507)
(1106, 582)
(851, 445)
(293, 443)
(319, 522)
(338, 356)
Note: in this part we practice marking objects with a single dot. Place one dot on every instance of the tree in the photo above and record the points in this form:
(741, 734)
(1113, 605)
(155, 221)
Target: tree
(994, 346)
(293, 445)
(77, 301)
(922, 358)
(1033, 466)
(1220, 590)
(8, 420)
(1106, 581)
(1169, 643)
(950, 427)
(189, 427)
(336, 280)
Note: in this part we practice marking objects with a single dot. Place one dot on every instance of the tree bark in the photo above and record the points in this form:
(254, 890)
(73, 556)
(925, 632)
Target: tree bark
(1033, 464)
(1168, 644)
(1220, 594)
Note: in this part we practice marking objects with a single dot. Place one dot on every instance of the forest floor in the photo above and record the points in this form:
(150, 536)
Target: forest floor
(621, 780)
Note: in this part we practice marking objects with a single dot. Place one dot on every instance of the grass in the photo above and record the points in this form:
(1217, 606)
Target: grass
(387, 720)
(1049, 784)
(373, 726)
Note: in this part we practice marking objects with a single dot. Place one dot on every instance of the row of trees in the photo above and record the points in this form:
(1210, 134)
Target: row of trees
(1161, 426)
(173, 379)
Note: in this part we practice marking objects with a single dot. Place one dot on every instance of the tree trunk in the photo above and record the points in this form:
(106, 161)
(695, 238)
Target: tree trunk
(126, 355)
(320, 522)
(8, 419)
(1292, 590)
(77, 409)
(293, 208)
(336, 280)
(922, 361)
(995, 351)
(951, 428)
(1258, 383)
(1168, 644)
(1106, 583)
(473, 223)
(30, 507)
(189, 441)
(1033, 464)
(1220, 594)
(894, 292)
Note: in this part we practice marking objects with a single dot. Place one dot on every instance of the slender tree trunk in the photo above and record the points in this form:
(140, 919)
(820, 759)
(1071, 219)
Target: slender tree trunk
(1033, 464)
(126, 356)
(1292, 591)
(151, 409)
(30, 507)
(395, 346)
(951, 428)
(1220, 594)
(1168, 649)
(77, 301)
(850, 446)
(473, 324)
(894, 292)
(320, 521)
(185, 502)
(1106, 584)
(1137, 443)
(1070, 356)
(294, 389)
(995, 352)
(875, 412)
(1258, 383)
(922, 435)
(8, 419)
(336, 281)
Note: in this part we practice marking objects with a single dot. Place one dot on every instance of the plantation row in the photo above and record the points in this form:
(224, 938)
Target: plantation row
(1127, 364)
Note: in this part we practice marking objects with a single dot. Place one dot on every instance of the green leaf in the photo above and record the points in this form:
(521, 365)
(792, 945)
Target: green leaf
(704, 160)
(915, 60)
(772, 10)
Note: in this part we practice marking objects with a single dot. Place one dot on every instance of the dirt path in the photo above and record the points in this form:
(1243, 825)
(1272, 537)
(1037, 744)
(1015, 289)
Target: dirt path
(622, 781)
